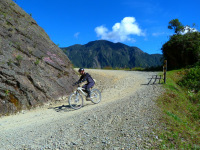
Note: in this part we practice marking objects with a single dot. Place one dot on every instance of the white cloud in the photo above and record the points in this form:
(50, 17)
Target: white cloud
(121, 32)
(76, 34)
(188, 29)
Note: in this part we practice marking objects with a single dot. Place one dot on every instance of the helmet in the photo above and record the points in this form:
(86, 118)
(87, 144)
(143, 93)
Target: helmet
(81, 69)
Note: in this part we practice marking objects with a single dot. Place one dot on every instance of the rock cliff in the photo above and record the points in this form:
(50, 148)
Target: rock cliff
(33, 70)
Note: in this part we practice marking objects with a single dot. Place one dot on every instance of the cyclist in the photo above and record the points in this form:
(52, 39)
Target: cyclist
(90, 82)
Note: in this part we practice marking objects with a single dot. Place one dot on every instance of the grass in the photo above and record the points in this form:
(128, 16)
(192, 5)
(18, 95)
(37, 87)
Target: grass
(181, 119)
(126, 69)
(19, 58)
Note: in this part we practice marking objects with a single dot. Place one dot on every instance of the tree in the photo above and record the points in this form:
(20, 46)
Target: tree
(182, 50)
(176, 25)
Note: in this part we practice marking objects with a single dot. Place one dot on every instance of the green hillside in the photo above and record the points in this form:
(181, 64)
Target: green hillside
(180, 105)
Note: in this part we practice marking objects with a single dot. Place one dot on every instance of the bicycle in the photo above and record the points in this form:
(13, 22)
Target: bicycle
(76, 99)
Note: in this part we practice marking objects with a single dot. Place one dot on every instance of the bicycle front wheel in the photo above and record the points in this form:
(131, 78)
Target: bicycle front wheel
(75, 101)
(95, 96)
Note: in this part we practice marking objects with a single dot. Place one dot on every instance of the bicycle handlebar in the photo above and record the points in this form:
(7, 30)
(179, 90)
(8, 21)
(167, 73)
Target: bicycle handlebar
(76, 84)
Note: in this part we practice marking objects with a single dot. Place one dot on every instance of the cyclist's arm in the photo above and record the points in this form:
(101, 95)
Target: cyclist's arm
(83, 78)
(79, 81)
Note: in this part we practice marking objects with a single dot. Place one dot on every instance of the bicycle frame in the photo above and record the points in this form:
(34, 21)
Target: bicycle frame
(81, 90)
(76, 98)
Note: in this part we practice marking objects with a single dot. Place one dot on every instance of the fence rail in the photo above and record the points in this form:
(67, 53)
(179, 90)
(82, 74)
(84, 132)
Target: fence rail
(159, 77)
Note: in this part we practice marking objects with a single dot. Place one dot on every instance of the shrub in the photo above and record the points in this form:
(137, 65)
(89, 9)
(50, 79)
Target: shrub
(19, 58)
(137, 69)
(192, 79)
(108, 68)
(37, 61)
(181, 116)
(9, 62)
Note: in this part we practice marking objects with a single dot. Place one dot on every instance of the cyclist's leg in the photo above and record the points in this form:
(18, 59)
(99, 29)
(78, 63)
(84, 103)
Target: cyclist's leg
(88, 86)
(86, 90)
(84, 86)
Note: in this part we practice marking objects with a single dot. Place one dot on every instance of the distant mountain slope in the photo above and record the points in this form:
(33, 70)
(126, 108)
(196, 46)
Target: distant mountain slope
(102, 53)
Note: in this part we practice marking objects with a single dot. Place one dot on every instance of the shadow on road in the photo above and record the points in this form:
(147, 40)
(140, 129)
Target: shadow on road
(152, 84)
(66, 108)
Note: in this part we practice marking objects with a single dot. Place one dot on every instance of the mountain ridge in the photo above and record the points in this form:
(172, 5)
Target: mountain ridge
(103, 53)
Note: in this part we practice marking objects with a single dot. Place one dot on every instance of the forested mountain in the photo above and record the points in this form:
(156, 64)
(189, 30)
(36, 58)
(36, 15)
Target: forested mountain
(102, 53)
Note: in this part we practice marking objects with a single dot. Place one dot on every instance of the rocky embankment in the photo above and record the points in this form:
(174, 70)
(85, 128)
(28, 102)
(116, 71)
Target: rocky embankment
(33, 70)
(125, 118)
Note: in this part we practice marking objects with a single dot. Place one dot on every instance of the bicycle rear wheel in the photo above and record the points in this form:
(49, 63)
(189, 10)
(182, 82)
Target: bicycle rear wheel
(95, 96)
(75, 101)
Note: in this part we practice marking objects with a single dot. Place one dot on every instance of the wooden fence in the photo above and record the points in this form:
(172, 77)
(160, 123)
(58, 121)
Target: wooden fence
(155, 78)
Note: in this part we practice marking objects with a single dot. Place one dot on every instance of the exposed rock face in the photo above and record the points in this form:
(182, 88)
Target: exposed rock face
(33, 70)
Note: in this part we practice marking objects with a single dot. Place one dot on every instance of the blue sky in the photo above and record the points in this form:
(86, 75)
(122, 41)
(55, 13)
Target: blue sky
(141, 23)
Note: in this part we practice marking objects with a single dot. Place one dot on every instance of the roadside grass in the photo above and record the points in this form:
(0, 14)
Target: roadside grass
(126, 69)
(181, 117)
(159, 68)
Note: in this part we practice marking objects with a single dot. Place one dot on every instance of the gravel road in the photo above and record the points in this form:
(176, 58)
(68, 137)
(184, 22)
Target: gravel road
(126, 118)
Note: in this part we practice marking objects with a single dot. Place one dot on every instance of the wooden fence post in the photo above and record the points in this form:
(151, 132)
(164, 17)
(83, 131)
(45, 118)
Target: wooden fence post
(165, 70)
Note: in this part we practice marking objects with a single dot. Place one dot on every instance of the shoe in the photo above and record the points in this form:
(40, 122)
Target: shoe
(88, 98)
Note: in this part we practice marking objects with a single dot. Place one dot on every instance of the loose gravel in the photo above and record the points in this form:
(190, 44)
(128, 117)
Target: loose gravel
(126, 118)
